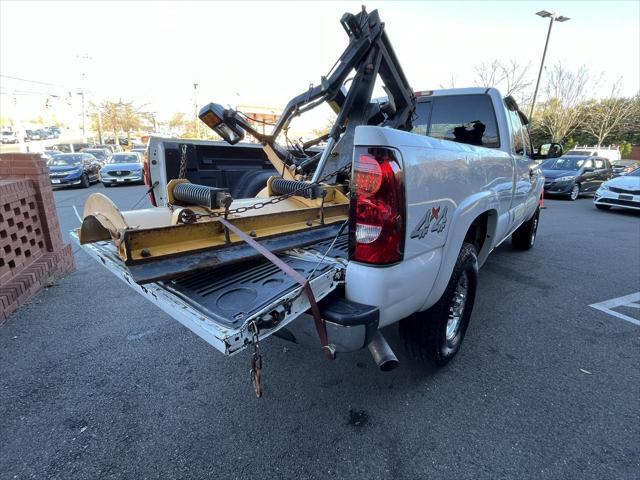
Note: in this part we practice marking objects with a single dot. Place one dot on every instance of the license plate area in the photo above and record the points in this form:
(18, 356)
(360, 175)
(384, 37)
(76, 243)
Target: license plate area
(55, 180)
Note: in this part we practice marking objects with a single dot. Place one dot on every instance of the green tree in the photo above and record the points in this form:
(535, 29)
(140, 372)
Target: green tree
(130, 119)
(625, 149)
(570, 144)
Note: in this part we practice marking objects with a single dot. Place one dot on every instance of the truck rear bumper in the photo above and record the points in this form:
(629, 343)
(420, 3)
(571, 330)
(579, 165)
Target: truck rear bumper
(398, 290)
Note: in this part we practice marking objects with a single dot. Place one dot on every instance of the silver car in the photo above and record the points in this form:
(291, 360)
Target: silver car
(622, 192)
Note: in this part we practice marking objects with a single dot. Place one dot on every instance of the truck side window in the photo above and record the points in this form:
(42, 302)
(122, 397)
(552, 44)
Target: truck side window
(421, 119)
(599, 163)
(517, 133)
(465, 119)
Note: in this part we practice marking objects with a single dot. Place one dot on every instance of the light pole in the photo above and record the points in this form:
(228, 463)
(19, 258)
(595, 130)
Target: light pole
(552, 18)
(195, 108)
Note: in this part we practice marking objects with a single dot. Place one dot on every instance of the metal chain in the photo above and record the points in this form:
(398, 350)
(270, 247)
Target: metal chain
(195, 216)
(183, 161)
(255, 371)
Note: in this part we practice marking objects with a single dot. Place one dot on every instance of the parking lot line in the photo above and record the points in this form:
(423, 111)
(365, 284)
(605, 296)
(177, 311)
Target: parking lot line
(627, 301)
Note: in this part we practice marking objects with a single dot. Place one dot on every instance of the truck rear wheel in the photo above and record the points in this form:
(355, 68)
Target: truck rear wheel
(438, 332)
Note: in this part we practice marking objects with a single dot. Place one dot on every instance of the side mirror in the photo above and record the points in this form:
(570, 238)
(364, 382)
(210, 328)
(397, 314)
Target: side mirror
(548, 150)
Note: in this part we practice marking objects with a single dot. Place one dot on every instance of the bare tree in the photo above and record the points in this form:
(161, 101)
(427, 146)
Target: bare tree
(605, 116)
(510, 77)
(563, 111)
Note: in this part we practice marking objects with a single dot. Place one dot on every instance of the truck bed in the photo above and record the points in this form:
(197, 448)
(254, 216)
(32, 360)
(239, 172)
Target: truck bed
(219, 303)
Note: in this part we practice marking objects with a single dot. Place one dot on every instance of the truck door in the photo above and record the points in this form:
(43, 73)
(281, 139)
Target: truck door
(526, 172)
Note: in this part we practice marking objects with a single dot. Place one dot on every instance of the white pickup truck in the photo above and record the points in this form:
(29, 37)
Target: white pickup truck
(428, 208)
(387, 222)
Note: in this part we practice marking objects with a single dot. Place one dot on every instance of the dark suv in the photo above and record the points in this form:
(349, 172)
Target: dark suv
(573, 175)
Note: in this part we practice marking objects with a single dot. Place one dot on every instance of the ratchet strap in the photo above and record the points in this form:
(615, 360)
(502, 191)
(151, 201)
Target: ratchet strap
(320, 324)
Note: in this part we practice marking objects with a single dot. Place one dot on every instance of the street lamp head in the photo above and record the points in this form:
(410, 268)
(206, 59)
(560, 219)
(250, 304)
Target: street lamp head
(562, 19)
(544, 14)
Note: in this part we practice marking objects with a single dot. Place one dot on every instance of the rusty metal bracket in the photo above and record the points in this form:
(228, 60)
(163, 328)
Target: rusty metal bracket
(320, 324)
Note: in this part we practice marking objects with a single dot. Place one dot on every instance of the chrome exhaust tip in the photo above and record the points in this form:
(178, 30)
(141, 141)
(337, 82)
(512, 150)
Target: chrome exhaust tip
(382, 353)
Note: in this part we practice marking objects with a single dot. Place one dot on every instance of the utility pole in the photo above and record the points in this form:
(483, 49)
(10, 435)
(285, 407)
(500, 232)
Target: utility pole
(83, 58)
(99, 114)
(195, 109)
(84, 117)
(552, 18)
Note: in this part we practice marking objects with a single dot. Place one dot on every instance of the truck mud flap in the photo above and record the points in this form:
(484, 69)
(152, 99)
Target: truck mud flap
(219, 304)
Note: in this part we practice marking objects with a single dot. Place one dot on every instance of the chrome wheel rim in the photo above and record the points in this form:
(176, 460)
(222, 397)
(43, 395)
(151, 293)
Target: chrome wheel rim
(457, 306)
(574, 192)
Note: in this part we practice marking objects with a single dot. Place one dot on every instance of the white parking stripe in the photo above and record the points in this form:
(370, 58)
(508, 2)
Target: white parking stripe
(626, 301)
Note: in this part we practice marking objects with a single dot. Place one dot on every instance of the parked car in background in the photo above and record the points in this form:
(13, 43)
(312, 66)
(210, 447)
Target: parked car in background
(622, 192)
(102, 154)
(30, 135)
(43, 134)
(72, 147)
(49, 154)
(573, 175)
(53, 133)
(112, 147)
(622, 167)
(122, 141)
(124, 167)
(9, 137)
(80, 169)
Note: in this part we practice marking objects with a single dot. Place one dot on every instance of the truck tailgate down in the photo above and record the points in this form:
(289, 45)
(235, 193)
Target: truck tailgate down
(219, 304)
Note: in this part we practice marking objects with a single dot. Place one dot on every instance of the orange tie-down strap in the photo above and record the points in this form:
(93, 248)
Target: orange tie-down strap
(321, 327)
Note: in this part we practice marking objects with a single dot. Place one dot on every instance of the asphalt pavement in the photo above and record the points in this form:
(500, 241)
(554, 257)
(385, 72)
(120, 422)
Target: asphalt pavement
(95, 382)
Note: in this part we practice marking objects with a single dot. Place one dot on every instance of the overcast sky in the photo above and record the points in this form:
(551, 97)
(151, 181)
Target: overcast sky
(265, 53)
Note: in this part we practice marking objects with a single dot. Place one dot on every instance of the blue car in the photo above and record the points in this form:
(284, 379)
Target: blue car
(73, 169)
(122, 168)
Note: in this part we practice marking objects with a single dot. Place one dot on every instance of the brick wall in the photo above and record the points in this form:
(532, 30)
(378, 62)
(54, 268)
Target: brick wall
(32, 253)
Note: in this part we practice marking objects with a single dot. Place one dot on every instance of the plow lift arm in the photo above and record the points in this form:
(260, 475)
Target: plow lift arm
(369, 54)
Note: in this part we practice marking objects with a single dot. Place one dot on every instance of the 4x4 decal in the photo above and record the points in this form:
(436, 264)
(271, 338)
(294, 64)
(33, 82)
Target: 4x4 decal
(434, 220)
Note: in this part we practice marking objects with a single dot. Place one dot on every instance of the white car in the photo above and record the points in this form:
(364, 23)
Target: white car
(9, 137)
(623, 192)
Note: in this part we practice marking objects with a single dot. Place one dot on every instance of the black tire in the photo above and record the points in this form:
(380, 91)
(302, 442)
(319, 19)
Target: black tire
(436, 332)
(575, 192)
(602, 207)
(524, 238)
(85, 183)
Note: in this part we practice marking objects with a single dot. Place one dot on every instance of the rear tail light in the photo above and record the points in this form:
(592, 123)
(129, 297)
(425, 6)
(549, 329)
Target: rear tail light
(147, 177)
(377, 217)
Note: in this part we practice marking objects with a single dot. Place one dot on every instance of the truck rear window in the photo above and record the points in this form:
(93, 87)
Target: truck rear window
(459, 118)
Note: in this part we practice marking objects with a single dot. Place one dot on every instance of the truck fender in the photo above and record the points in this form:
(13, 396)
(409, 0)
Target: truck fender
(462, 219)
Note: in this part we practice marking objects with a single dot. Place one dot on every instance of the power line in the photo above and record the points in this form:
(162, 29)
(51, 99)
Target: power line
(30, 81)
